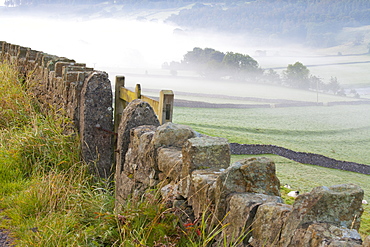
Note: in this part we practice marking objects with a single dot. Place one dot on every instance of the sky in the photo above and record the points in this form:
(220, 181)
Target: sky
(118, 44)
(110, 42)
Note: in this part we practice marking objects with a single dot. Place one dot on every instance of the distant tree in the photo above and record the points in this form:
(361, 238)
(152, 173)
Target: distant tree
(202, 56)
(207, 62)
(296, 75)
(8, 3)
(334, 85)
(240, 66)
(316, 83)
(315, 22)
(355, 93)
(341, 92)
(271, 76)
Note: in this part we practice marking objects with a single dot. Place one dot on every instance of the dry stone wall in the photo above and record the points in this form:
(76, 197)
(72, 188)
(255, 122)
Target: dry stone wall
(192, 171)
(304, 158)
(66, 87)
(194, 175)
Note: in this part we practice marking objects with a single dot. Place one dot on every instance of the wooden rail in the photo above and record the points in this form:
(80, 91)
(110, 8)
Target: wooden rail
(163, 108)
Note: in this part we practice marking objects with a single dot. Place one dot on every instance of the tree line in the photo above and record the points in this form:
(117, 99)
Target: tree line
(213, 64)
(313, 22)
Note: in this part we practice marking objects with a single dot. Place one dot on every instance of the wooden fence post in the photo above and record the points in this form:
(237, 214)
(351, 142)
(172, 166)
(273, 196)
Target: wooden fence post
(165, 109)
(138, 91)
(119, 104)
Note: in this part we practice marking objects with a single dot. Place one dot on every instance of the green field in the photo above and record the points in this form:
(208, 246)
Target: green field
(339, 132)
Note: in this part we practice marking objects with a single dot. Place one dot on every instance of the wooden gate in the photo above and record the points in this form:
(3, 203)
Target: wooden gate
(163, 108)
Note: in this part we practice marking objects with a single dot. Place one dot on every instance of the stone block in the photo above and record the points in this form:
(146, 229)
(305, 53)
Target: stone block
(268, 223)
(242, 209)
(204, 153)
(339, 205)
(137, 113)
(244, 176)
(96, 115)
(130, 190)
(366, 242)
(140, 159)
(169, 162)
(260, 176)
(326, 235)
(171, 134)
(202, 190)
(170, 192)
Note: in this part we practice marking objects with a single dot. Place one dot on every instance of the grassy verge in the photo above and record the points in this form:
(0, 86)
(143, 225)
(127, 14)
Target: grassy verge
(48, 198)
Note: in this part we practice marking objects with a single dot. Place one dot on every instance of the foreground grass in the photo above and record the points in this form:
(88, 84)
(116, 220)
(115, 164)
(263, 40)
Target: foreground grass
(46, 194)
(48, 197)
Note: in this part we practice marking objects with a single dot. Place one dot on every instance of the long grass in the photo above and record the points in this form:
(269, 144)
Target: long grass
(48, 197)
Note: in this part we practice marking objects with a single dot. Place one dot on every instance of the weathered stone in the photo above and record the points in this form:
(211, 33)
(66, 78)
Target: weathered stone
(130, 189)
(202, 153)
(205, 152)
(74, 93)
(171, 134)
(260, 176)
(242, 177)
(366, 242)
(339, 205)
(169, 161)
(95, 115)
(268, 223)
(242, 208)
(202, 195)
(324, 234)
(170, 192)
(137, 113)
(184, 186)
(140, 159)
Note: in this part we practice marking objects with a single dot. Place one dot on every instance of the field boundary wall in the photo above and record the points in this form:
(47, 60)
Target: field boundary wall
(301, 157)
(196, 179)
(66, 87)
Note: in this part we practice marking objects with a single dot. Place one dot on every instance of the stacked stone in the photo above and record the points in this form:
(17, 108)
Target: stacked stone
(194, 171)
(65, 87)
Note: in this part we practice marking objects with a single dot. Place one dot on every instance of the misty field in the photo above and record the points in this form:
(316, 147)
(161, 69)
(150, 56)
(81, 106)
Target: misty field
(225, 91)
(351, 70)
(339, 132)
